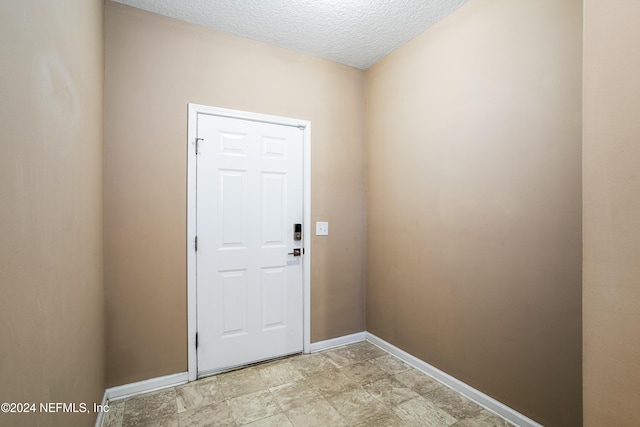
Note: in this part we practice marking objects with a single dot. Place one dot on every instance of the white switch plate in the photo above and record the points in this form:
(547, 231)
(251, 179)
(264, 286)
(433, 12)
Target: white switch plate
(322, 228)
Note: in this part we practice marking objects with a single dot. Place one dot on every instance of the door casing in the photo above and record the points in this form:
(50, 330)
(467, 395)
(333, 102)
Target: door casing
(193, 111)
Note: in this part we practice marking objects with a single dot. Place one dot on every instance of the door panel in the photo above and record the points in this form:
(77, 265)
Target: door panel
(249, 287)
(274, 298)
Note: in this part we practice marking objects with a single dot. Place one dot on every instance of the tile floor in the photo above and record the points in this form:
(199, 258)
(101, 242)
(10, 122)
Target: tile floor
(354, 385)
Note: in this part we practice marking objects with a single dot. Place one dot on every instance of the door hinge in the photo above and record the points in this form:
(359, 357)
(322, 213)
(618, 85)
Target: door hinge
(196, 340)
(198, 144)
(196, 243)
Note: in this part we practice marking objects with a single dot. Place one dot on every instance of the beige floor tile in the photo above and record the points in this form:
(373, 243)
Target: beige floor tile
(309, 364)
(331, 382)
(391, 364)
(168, 421)
(357, 405)
(419, 411)
(417, 381)
(364, 373)
(386, 419)
(198, 393)
(365, 350)
(344, 356)
(390, 391)
(113, 418)
(453, 403)
(319, 413)
(279, 420)
(215, 415)
(278, 373)
(295, 394)
(357, 384)
(483, 419)
(253, 407)
(151, 409)
(240, 382)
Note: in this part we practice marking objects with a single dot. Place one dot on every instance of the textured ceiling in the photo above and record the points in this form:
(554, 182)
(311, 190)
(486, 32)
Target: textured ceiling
(353, 32)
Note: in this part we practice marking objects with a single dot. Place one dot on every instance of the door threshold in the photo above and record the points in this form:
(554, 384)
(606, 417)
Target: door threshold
(210, 373)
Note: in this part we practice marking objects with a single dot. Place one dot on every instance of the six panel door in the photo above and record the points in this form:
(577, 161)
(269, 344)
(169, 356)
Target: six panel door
(249, 283)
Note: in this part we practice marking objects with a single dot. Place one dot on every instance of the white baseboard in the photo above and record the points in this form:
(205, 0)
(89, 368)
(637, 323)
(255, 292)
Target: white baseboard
(127, 390)
(477, 396)
(100, 417)
(337, 342)
(153, 384)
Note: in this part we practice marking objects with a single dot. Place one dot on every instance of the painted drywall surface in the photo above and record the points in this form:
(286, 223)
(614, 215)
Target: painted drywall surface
(51, 293)
(155, 66)
(611, 186)
(474, 202)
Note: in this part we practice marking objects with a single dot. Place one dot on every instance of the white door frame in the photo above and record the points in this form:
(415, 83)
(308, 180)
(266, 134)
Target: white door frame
(305, 125)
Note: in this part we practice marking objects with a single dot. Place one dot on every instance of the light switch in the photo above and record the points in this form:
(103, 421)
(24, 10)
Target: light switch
(322, 228)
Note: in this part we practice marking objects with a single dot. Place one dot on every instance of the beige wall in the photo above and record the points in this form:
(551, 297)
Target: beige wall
(51, 288)
(611, 185)
(155, 67)
(474, 202)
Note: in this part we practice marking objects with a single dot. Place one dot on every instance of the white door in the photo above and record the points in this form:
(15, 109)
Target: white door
(249, 282)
